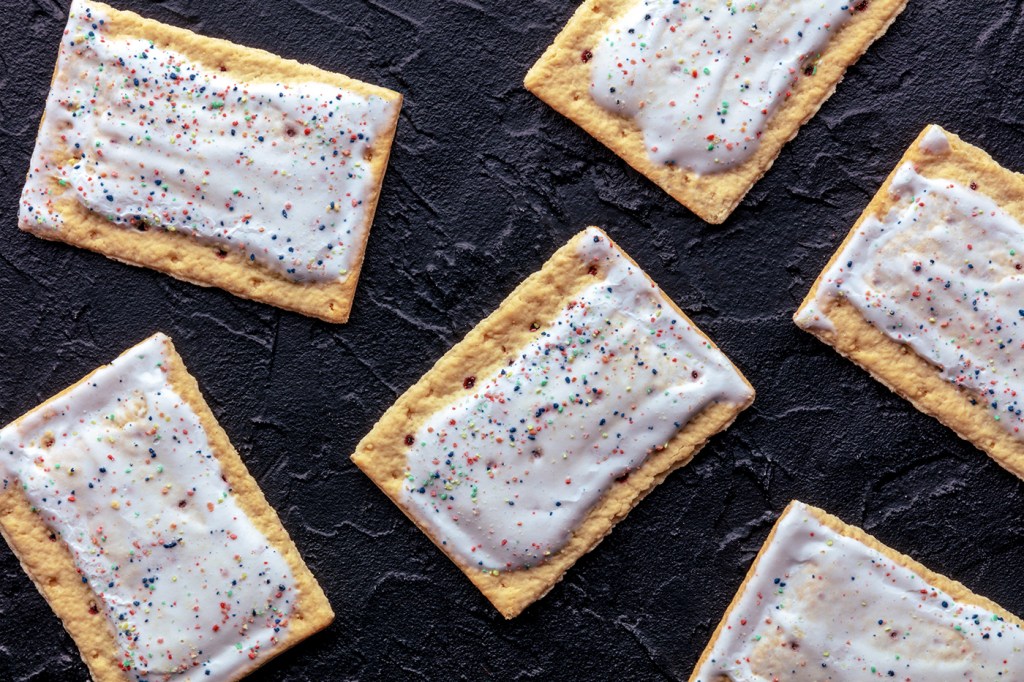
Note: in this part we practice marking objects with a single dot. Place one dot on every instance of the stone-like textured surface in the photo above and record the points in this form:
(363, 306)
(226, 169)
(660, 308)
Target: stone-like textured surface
(485, 183)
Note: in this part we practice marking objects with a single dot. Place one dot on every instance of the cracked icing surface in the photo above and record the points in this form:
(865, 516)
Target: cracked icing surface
(825, 606)
(466, 212)
(144, 136)
(120, 469)
(504, 476)
(702, 79)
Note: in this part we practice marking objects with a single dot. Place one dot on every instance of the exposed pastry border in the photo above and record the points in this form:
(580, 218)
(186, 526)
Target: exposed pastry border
(954, 589)
(382, 453)
(183, 257)
(51, 565)
(562, 79)
(897, 365)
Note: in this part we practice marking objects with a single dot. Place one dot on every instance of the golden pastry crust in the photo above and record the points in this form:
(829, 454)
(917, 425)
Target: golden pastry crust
(956, 590)
(180, 255)
(489, 346)
(897, 365)
(562, 80)
(51, 566)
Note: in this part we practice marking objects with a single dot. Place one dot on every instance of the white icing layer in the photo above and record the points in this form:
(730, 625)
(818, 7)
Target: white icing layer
(144, 136)
(943, 272)
(823, 606)
(702, 79)
(503, 476)
(935, 141)
(121, 470)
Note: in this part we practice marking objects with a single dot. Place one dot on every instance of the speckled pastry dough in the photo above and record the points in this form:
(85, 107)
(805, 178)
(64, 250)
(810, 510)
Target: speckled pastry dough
(137, 520)
(529, 440)
(826, 601)
(701, 96)
(217, 164)
(927, 292)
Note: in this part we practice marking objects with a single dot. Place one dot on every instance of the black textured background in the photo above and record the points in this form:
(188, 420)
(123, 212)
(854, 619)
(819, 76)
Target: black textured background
(485, 183)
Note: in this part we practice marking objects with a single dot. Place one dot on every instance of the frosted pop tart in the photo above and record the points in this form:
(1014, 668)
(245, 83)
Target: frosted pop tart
(138, 522)
(826, 601)
(927, 292)
(217, 164)
(531, 438)
(701, 96)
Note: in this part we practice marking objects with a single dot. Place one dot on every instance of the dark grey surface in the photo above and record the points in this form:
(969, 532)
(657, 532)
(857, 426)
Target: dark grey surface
(486, 182)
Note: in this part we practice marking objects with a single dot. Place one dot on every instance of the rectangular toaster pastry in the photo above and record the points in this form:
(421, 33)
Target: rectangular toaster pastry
(927, 292)
(532, 437)
(136, 519)
(217, 164)
(701, 96)
(826, 601)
